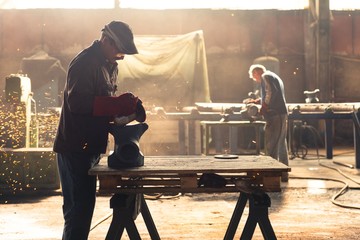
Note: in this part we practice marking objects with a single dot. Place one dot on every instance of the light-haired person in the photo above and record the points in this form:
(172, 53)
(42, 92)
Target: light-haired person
(274, 110)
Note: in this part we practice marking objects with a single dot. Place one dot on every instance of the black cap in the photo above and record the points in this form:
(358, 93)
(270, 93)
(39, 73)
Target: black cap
(122, 35)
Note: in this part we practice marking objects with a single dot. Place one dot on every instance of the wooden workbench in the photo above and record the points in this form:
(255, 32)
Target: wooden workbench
(251, 176)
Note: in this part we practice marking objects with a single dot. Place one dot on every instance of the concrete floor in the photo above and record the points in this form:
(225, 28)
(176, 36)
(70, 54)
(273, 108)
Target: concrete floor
(303, 210)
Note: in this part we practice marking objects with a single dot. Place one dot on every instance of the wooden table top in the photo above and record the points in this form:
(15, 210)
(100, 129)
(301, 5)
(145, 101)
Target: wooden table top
(184, 174)
(194, 164)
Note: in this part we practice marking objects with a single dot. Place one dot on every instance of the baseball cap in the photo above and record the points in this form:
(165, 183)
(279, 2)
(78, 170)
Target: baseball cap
(122, 35)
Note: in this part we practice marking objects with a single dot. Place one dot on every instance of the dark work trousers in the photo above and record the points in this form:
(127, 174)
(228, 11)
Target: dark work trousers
(78, 190)
(275, 137)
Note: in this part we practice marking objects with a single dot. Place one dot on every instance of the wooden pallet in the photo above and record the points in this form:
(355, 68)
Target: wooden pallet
(170, 174)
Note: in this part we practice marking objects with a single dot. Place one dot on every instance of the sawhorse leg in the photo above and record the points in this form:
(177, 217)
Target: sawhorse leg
(235, 219)
(124, 207)
(258, 213)
(150, 225)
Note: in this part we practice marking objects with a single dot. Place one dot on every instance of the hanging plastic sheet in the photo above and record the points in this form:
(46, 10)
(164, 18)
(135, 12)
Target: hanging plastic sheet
(169, 71)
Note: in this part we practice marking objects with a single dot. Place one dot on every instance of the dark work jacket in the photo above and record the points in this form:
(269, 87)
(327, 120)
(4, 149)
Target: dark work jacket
(89, 75)
(273, 94)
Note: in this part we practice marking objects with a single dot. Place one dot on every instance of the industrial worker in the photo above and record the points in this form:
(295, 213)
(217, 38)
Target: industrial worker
(274, 111)
(89, 105)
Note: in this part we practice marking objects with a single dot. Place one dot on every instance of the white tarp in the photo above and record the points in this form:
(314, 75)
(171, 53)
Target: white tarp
(169, 71)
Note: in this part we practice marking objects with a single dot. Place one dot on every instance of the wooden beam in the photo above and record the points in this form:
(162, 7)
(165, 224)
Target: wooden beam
(323, 50)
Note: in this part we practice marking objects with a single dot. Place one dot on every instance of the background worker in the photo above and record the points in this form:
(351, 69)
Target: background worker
(274, 110)
(82, 136)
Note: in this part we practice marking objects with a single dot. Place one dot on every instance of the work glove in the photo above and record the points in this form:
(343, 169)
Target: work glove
(124, 105)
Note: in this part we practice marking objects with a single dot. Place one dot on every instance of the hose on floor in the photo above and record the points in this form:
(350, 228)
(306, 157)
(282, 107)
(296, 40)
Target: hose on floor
(343, 190)
(346, 186)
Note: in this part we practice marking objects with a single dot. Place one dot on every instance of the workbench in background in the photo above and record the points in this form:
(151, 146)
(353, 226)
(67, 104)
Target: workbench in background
(215, 131)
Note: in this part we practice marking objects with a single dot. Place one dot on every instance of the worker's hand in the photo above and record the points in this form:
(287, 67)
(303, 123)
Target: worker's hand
(139, 115)
(254, 101)
(123, 120)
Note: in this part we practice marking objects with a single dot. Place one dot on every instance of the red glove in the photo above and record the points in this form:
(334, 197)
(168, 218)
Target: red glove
(123, 105)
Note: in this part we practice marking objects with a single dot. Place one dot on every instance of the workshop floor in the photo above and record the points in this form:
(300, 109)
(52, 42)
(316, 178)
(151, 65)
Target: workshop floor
(303, 210)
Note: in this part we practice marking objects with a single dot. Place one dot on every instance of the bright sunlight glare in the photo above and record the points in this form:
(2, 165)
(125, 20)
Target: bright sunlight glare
(69, 4)
(214, 4)
(173, 4)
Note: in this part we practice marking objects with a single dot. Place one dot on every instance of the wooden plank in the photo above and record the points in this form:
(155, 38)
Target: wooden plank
(189, 181)
(268, 181)
(271, 184)
(108, 182)
(177, 189)
(152, 182)
(186, 183)
(174, 180)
